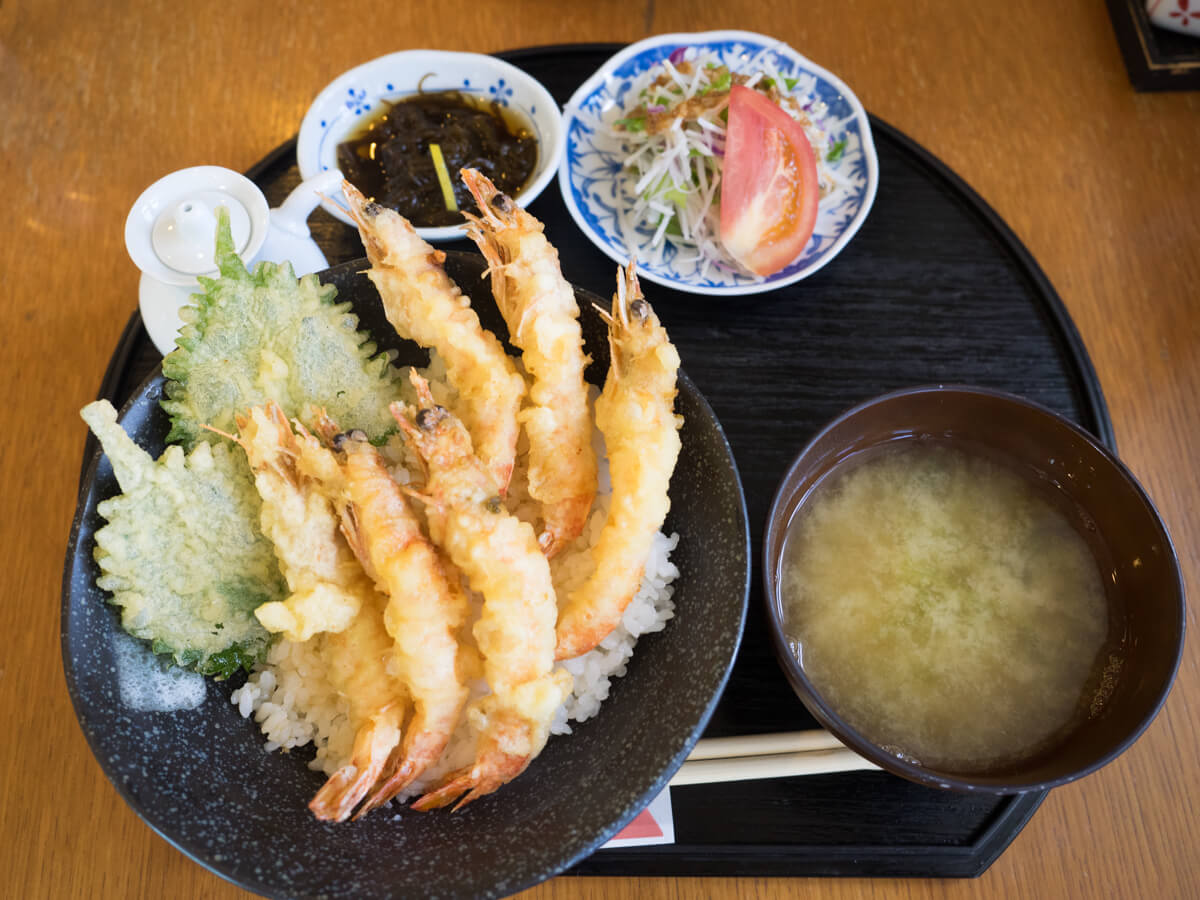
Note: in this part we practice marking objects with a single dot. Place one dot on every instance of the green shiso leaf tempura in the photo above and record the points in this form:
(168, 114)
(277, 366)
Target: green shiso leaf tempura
(182, 553)
(264, 335)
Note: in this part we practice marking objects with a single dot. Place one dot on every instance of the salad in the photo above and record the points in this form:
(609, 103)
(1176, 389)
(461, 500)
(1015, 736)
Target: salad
(727, 164)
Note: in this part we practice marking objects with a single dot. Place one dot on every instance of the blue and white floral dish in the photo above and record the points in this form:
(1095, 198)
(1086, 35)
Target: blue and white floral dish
(357, 94)
(590, 175)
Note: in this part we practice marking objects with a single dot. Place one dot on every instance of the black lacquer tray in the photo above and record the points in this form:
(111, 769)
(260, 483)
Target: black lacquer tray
(934, 288)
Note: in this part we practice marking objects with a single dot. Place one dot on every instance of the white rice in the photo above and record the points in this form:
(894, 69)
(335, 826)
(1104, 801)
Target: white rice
(294, 704)
(650, 610)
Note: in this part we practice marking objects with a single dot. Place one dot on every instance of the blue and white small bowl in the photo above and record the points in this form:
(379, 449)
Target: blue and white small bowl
(357, 95)
(593, 188)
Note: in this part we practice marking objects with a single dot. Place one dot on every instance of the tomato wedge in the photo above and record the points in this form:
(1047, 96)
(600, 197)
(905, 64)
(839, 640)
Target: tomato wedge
(769, 188)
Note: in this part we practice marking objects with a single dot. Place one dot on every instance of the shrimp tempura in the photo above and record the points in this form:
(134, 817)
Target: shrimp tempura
(325, 583)
(425, 306)
(636, 415)
(426, 605)
(542, 316)
(500, 557)
(356, 660)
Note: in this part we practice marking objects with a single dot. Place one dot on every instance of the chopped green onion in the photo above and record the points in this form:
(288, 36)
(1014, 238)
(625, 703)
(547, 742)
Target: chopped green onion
(443, 176)
(836, 151)
(635, 124)
(791, 83)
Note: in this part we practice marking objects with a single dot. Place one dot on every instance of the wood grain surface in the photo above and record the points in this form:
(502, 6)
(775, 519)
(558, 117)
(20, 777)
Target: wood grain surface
(1028, 101)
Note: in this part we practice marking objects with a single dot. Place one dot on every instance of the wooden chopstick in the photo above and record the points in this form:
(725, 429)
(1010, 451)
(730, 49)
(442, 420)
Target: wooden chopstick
(764, 744)
(767, 756)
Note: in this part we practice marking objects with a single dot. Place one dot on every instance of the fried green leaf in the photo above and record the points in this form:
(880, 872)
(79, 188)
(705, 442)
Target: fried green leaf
(266, 335)
(182, 553)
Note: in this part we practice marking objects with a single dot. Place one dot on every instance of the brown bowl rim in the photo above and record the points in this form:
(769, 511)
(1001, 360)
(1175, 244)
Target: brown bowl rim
(832, 722)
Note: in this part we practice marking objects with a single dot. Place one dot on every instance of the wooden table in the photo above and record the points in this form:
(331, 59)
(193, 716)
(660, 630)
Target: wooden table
(1028, 101)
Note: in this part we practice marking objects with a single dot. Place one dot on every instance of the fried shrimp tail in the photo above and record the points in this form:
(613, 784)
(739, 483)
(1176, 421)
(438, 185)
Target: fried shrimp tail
(425, 306)
(357, 663)
(635, 413)
(425, 609)
(373, 744)
(509, 742)
(325, 583)
(501, 559)
(539, 308)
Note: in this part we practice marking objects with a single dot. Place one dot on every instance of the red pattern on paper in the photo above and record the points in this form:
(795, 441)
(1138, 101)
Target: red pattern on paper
(643, 826)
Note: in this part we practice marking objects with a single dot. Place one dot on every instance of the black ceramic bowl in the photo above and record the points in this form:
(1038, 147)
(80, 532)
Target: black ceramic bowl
(201, 779)
(1105, 505)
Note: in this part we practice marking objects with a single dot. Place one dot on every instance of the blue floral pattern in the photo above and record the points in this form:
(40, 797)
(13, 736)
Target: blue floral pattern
(500, 92)
(594, 189)
(357, 102)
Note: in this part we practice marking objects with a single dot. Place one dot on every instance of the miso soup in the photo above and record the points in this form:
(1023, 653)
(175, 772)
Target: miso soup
(944, 608)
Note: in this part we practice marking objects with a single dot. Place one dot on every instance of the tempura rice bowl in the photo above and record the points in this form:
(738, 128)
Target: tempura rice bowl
(201, 778)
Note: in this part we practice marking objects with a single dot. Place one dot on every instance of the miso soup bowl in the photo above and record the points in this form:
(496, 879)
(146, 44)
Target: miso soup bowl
(1105, 504)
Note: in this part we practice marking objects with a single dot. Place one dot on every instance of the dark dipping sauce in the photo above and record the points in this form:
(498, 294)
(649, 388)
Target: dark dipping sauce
(388, 158)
